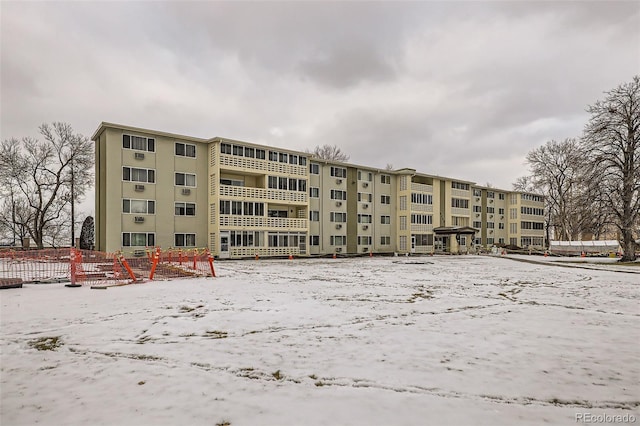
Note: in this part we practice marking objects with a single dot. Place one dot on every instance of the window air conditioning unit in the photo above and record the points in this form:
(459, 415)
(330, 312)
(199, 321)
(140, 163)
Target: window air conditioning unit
(139, 156)
(477, 198)
(338, 203)
(491, 231)
(338, 226)
(365, 227)
(491, 200)
(338, 181)
(139, 253)
(365, 249)
(490, 216)
(139, 219)
(365, 184)
(139, 188)
(338, 249)
(366, 206)
(186, 191)
(501, 217)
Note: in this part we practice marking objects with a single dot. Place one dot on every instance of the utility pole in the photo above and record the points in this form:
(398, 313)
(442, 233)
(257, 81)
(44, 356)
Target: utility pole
(73, 216)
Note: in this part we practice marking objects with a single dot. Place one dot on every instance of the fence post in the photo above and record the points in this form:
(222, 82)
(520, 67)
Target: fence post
(155, 258)
(210, 258)
(127, 267)
(195, 257)
(72, 258)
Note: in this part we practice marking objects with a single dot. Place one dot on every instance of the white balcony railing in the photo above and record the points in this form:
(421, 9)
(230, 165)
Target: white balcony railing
(263, 194)
(421, 228)
(263, 222)
(428, 208)
(421, 187)
(263, 165)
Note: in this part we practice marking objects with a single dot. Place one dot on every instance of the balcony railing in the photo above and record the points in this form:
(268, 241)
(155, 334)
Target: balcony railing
(263, 222)
(263, 194)
(262, 165)
(428, 208)
(421, 187)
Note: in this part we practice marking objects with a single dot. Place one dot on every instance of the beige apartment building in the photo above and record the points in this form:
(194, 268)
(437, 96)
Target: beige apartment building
(241, 199)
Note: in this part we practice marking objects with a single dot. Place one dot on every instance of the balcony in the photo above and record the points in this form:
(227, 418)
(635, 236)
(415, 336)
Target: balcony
(263, 194)
(421, 187)
(252, 164)
(263, 222)
(427, 208)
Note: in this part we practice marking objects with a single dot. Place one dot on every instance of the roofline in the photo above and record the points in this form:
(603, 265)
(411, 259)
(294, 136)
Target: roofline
(106, 125)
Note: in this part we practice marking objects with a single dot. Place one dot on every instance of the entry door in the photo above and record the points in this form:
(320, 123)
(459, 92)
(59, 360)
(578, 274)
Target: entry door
(302, 244)
(224, 244)
(413, 244)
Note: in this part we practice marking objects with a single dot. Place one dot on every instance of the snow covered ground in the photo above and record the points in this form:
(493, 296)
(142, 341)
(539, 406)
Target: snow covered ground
(458, 340)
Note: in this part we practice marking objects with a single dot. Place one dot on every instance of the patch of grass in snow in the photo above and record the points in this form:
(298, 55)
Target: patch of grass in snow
(224, 423)
(319, 383)
(216, 334)
(46, 343)
(277, 375)
(313, 377)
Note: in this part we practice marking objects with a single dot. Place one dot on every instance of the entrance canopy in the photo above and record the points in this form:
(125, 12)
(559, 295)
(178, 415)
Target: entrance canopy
(455, 230)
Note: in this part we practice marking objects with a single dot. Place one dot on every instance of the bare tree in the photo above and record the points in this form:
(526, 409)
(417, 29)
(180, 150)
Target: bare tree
(612, 143)
(389, 167)
(329, 152)
(524, 184)
(41, 175)
(558, 172)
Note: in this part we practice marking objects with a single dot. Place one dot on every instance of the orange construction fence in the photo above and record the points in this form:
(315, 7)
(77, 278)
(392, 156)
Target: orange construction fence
(94, 268)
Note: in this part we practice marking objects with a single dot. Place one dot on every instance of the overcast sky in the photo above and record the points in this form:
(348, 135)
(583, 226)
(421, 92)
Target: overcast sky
(460, 89)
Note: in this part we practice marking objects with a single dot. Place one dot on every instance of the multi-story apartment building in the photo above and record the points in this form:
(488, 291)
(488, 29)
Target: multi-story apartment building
(241, 199)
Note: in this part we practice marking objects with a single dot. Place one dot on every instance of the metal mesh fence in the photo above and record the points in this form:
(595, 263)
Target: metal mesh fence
(93, 268)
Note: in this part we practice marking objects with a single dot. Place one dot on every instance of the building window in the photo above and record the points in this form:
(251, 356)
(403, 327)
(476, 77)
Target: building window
(491, 194)
(314, 215)
(424, 239)
(185, 209)
(293, 184)
(246, 239)
(477, 225)
(500, 211)
(282, 183)
(532, 211)
(337, 217)
(460, 185)
(340, 172)
(238, 150)
(138, 206)
(365, 197)
(418, 198)
(385, 220)
(490, 209)
(338, 240)
(231, 182)
(138, 239)
(185, 150)
(364, 218)
(302, 185)
(386, 179)
(364, 240)
(513, 228)
(385, 240)
(283, 157)
(185, 240)
(500, 196)
(314, 168)
(477, 209)
(225, 148)
(490, 241)
(385, 199)
(139, 143)
(490, 225)
(421, 219)
(273, 182)
(403, 202)
(532, 225)
(314, 192)
(477, 193)
(260, 154)
(132, 174)
(513, 199)
(459, 221)
(460, 203)
(500, 225)
(185, 179)
(337, 194)
(314, 240)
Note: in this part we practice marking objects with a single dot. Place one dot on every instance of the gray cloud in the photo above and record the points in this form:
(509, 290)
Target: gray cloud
(460, 89)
